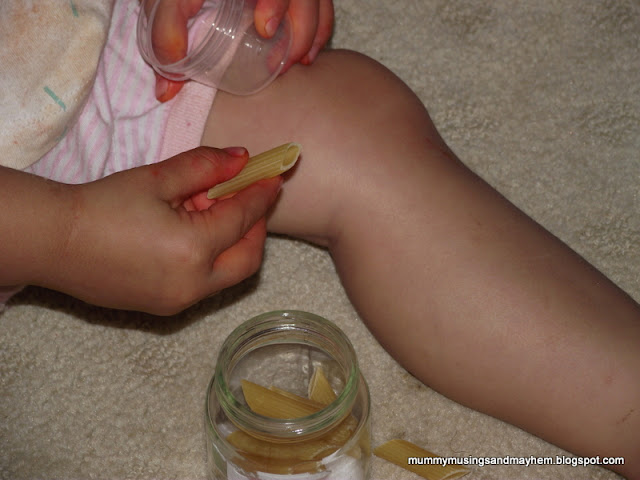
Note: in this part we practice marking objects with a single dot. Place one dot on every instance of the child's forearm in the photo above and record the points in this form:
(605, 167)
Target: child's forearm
(127, 240)
(35, 217)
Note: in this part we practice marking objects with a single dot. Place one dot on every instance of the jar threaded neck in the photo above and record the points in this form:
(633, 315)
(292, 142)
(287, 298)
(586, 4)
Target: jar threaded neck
(291, 327)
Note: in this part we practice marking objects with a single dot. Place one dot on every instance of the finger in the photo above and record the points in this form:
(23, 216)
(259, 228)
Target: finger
(169, 31)
(268, 15)
(227, 221)
(166, 89)
(194, 171)
(198, 202)
(241, 260)
(189, 205)
(326, 17)
(303, 15)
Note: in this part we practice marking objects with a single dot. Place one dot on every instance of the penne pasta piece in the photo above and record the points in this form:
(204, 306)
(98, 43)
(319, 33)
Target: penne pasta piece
(320, 389)
(277, 403)
(264, 165)
(365, 441)
(270, 403)
(300, 451)
(298, 398)
(340, 434)
(399, 452)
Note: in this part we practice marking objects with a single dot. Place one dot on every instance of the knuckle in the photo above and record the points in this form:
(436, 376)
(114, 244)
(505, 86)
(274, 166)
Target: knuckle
(205, 157)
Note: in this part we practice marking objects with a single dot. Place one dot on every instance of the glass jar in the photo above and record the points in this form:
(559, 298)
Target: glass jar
(281, 351)
(224, 49)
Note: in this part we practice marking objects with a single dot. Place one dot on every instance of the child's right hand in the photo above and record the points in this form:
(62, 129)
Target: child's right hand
(311, 25)
(141, 239)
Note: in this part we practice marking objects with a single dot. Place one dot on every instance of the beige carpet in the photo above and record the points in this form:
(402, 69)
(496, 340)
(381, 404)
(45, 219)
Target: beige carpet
(540, 97)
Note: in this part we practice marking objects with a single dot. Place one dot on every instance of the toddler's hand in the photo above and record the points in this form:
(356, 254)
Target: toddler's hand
(170, 39)
(144, 239)
(311, 25)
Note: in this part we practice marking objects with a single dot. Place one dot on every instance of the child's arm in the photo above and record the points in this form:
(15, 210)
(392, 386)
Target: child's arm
(136, 239)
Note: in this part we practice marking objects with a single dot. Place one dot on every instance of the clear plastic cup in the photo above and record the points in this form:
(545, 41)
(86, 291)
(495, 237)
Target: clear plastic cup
(224, 49)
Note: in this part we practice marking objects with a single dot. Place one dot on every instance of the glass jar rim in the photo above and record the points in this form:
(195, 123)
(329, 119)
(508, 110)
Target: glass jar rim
(270, 327)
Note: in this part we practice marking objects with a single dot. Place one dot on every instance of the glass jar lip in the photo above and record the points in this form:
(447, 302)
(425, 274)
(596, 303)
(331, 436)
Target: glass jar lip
(268, 324)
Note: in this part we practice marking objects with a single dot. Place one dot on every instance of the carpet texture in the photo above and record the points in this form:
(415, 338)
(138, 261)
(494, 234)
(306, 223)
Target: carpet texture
(539, 97)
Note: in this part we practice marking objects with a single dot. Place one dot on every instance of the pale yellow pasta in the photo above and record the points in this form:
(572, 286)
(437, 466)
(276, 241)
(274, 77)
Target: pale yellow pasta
(342, 432)
(264, 165)
(270, 403)
(399, 452)
(297, 398)
(300, 451)
(320, 389)
(365, 441)
(277, 403)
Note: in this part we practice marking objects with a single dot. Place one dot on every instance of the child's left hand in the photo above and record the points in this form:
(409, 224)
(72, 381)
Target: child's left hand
(311, 23)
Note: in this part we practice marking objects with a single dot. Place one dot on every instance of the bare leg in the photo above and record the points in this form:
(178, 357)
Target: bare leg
(465, 291)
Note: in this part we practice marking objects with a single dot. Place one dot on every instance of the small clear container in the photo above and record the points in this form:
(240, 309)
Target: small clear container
(224, 49)
(281, 351)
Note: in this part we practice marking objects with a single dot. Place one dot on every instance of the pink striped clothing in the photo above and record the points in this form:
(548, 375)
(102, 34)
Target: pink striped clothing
(122, 125)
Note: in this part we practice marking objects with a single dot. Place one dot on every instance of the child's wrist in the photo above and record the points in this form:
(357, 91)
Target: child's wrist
(52, 234)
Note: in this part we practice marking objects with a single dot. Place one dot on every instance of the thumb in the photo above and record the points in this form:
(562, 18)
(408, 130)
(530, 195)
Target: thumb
(194, 171)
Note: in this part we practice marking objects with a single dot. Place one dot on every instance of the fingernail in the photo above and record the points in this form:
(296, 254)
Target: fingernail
(271, 26)
(236, 151)
(162, 86)
(313, 53)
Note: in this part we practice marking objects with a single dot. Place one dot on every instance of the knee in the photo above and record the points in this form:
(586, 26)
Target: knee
(361, 96)
(356, 80)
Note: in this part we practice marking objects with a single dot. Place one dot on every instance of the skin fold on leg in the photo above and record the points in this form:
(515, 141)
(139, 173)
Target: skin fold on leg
(470, 295)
